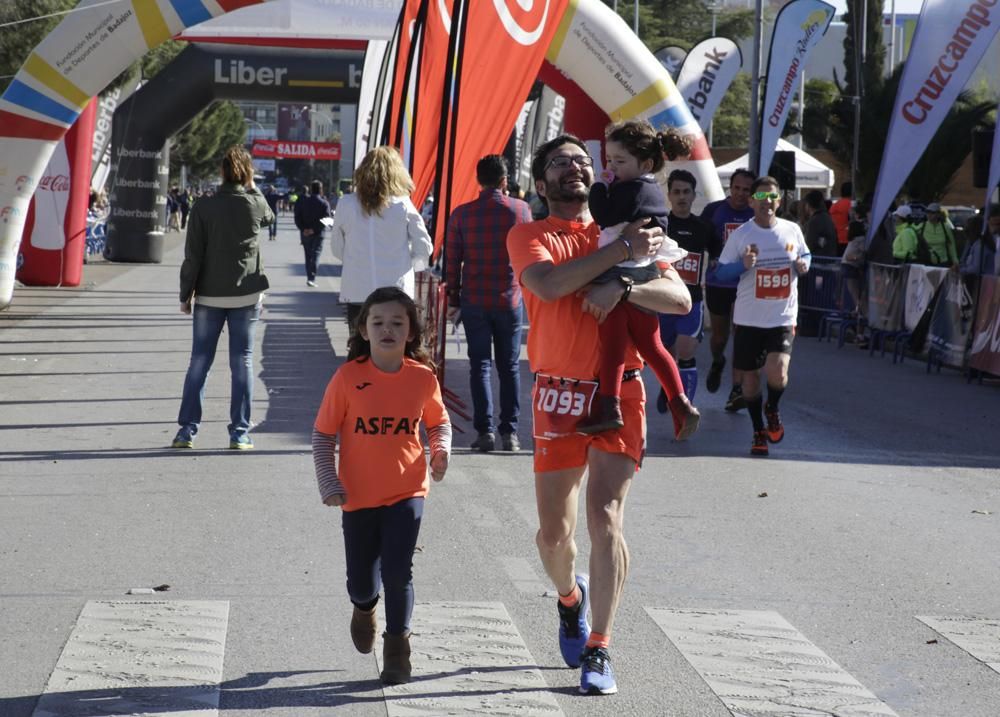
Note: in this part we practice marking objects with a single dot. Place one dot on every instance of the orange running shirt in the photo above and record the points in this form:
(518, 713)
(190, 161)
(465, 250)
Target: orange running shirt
(562, 340)
(377, 417)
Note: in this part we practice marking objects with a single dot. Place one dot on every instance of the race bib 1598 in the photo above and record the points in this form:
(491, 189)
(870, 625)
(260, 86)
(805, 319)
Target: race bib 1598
(773, 283)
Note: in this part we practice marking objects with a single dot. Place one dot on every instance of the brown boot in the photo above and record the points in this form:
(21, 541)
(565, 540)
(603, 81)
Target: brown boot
(605, 415)
(395, 659)
(686, 417)
(363, 628)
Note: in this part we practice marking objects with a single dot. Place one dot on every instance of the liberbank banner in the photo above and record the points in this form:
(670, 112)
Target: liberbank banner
(950, 40)
(706, 74)
(799, 27)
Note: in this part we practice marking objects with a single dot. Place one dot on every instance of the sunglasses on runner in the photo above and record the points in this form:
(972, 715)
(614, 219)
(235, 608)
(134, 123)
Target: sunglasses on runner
(761, 196)
(563, 161)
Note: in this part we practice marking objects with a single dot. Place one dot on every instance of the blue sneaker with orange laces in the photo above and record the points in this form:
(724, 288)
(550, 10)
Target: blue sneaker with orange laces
(597, 677)
(574, 628)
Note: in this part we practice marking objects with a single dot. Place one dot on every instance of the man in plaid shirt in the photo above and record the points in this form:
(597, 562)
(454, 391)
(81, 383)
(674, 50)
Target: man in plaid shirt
(482, 291)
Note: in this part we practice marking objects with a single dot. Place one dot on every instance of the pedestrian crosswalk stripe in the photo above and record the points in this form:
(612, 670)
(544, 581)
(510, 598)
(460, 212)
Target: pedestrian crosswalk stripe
(759, 664)
(469, 659)
(138, 657)
(978, 636)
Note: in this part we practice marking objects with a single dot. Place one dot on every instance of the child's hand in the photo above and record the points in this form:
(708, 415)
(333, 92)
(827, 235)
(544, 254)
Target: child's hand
(607, 176)
(439, 465)
(335, 500)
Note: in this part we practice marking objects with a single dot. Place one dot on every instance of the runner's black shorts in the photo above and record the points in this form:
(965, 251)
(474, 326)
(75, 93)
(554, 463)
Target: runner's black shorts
(720, 299)
(752, 344)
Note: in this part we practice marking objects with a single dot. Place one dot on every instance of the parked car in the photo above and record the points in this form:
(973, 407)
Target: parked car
(960, 217)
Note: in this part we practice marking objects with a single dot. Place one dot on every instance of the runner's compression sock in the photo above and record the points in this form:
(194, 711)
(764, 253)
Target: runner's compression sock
(755, 409)
(596, 639)
(573, 599)
(689, 376)
(773, 396)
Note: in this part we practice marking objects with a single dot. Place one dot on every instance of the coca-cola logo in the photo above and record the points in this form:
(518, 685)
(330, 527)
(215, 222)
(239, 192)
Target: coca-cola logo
(54, 183)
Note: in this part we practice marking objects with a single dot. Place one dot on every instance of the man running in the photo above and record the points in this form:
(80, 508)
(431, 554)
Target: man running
(725, 216)
(767, 255)
(681, 334)
(555, 259)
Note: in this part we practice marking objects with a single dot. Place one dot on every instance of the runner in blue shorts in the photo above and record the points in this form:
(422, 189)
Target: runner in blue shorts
(681, 334)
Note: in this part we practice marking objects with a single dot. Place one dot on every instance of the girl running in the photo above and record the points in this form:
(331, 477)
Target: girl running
(627, 191)
(375, 404)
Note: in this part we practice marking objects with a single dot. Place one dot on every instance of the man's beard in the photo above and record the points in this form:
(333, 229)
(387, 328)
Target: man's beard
(557, 192)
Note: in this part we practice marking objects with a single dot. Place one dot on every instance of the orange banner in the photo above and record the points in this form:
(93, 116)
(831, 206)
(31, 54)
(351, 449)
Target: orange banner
(502, 46)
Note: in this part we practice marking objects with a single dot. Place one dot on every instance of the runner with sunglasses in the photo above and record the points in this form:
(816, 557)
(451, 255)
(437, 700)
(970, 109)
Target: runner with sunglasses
(767, 255)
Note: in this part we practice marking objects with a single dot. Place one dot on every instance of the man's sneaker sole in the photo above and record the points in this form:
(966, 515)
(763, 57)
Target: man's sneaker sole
(179, 443)
(237, 446)
(592, 690)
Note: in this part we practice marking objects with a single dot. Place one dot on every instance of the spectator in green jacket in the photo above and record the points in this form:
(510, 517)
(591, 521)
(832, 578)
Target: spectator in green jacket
(931, 243)
(223, 283)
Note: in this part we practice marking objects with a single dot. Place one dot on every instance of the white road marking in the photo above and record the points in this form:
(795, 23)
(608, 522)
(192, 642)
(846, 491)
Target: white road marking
(978, 636)
(469, 659)
(758, 664)
(140, 657)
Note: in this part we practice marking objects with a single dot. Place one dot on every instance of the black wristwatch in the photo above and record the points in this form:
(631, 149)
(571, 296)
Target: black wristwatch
(628, 283)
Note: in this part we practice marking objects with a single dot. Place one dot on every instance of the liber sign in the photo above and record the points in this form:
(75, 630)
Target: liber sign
(277, 149)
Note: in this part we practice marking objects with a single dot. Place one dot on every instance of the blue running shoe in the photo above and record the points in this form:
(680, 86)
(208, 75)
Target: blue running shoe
(597, 677)
(574, 628)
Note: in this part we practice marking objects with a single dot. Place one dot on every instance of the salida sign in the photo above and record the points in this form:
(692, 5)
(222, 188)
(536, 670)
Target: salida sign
(296, 150)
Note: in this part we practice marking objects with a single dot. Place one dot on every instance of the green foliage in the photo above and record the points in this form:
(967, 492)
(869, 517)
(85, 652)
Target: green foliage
(731, 127)
(683, 22)
(17, 41)
(202, 143)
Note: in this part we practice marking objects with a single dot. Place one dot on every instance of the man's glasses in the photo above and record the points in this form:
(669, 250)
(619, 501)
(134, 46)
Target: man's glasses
(761, 196)
(563, 161)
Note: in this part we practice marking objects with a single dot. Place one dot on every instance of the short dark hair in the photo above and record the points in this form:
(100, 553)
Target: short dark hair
(540, 159)
(681, 175)
(765, 180)
(743, 172)
(490, 170)
(814, 199)
(316, 188)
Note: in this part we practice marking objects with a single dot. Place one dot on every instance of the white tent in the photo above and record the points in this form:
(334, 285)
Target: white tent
(810, 173)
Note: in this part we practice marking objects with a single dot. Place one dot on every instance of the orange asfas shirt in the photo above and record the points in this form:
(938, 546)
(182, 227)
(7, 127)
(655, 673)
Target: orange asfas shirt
(377, 417)
(562, 340)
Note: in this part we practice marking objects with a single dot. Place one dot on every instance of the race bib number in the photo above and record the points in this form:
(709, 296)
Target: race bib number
(689, 269)
(729, 228)
(774, 283)
(559, 405)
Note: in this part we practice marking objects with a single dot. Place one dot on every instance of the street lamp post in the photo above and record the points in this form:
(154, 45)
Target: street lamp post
(713, 7)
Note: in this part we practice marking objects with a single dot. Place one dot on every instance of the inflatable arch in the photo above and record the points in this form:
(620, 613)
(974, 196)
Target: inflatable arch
(593, 47)
(199, 75)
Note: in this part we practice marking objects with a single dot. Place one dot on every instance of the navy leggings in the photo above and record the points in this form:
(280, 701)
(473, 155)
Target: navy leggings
(379, 544)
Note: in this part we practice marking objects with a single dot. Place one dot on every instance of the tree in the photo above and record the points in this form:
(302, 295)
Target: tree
(684, 22)
(201, 144)
(731, 126)
(17, 41)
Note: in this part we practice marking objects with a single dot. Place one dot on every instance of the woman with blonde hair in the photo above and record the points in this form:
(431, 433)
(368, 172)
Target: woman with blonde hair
(378, 234)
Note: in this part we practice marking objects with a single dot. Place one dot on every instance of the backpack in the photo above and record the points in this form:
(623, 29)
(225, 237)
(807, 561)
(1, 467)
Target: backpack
(923, 248)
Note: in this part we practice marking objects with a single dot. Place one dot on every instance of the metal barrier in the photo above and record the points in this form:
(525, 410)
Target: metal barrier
(432, 301)
(822, 296)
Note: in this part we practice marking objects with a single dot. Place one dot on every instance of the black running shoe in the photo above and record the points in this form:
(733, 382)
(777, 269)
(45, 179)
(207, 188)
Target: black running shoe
(714, 379)
(735, 401)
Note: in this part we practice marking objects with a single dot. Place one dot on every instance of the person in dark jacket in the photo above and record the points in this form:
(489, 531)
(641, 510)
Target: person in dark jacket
(222, 282)
(821, 232)
(309, 215)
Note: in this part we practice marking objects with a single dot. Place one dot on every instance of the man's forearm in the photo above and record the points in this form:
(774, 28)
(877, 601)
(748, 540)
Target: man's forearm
(666, 295)
(555, 282)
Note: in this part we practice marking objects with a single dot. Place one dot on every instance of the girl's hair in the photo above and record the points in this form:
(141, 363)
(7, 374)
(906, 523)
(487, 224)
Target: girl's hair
(380, 176)
(643, 142)
(237, 167)
(359, 347)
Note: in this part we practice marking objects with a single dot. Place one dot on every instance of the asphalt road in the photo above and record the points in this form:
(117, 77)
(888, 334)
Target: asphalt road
(779, 586)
